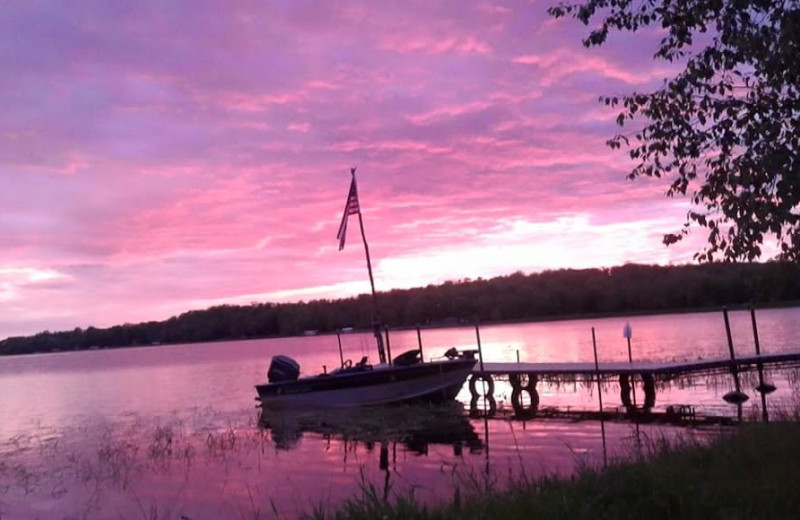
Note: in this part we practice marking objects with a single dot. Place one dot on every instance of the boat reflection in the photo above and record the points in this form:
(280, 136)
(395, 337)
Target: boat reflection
(414, 426)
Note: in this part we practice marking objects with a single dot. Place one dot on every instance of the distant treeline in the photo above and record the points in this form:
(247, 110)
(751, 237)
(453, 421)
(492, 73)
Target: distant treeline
(551, 294)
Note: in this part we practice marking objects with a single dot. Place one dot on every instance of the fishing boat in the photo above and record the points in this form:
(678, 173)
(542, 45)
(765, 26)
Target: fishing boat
(363, 384)
(406, 378)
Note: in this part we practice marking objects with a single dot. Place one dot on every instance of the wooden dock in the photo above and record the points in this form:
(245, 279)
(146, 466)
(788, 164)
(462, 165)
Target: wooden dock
(524, 378)
(661, 370)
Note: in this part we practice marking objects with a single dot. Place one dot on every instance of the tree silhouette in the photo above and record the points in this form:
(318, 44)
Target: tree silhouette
(564, 293)
(726, 129)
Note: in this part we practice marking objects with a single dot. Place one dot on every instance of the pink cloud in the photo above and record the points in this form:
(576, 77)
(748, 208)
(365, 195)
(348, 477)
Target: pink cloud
(299, 127)
(555, 66)
(492, 8)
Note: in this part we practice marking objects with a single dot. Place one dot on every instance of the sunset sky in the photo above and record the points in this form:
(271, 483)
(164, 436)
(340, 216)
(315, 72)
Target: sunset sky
(162, 156)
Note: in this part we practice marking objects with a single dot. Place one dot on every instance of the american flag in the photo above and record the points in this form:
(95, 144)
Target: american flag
(350, 208)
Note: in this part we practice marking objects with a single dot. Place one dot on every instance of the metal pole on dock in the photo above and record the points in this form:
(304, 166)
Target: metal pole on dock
(599, 398)
(339, 340)
(388, 346)
(419, 342)
(627, 333)
(736, 397)
(478, 336)
(762, 389)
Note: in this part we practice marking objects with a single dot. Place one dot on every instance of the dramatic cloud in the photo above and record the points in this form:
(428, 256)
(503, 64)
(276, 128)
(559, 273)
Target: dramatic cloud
(157, 157)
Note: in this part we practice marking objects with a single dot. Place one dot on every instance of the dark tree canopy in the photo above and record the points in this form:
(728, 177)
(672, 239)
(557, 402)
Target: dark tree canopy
(566, 293)
(726, 129)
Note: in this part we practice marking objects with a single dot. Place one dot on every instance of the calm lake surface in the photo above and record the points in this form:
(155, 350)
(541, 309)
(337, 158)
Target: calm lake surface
(161, 432)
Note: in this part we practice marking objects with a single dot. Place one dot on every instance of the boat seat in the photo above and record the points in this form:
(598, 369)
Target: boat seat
(411, 357)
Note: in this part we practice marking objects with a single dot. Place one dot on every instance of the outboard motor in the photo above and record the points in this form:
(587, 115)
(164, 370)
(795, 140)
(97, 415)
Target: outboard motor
(283, 368)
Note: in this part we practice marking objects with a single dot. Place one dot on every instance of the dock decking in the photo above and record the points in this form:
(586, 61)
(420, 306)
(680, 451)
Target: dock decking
(670, 369)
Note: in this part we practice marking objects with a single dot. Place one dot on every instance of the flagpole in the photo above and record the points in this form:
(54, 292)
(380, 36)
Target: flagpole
(376, 320)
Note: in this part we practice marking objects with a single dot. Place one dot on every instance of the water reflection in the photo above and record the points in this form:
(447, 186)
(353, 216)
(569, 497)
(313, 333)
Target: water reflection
(417, 429)
(73, 449)
(414, 426)
(204, 464)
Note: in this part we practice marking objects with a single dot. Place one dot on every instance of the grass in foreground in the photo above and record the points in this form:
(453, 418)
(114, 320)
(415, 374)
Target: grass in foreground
(750, 473)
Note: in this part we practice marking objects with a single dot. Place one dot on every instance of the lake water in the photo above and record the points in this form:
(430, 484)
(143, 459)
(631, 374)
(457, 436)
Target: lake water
(161, 432)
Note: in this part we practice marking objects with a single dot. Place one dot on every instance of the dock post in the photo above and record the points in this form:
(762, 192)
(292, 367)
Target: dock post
(419, 342)
(478, 336)
(627, 333)
(736, 397)
(388, 346)
(763, 388)
(339, 340)
(600, 398)
(486, 381)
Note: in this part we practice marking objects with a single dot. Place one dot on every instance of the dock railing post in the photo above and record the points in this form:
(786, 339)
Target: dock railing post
(599, 398)
(762, 388)
(734, 370)
(736, 397)
(627, 333)
(388, 346)
(478, 336)
(339, 340)
(419, 342)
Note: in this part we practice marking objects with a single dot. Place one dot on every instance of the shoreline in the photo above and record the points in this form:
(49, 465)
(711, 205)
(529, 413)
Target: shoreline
(438, 326)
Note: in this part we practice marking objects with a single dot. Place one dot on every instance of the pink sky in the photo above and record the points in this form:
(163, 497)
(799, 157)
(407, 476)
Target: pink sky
(158, 157)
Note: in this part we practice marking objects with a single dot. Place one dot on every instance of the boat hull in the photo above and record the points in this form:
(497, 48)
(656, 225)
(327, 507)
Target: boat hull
(436, 381)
